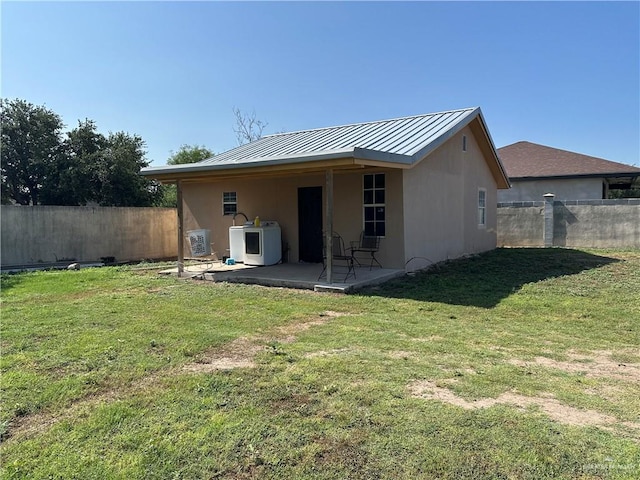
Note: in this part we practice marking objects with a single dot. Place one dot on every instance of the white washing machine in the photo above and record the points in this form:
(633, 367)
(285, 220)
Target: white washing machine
(263, 244)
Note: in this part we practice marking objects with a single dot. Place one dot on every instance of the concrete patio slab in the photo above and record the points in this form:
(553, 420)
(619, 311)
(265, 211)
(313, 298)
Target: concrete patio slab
(290, 275)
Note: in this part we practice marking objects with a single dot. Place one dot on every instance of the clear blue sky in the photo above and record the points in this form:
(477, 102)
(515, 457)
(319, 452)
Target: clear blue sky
(565, 75)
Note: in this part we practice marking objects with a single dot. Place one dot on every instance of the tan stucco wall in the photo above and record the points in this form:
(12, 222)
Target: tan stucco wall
(564, 189)
(276, 198)
(441, 204)
(431, 209)
(50, 233)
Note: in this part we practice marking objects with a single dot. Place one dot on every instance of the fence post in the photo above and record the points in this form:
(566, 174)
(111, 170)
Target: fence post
(548, 220)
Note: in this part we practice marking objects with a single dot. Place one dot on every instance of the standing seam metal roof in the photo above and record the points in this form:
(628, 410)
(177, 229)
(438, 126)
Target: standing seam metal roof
(401, 136)
(403, 141)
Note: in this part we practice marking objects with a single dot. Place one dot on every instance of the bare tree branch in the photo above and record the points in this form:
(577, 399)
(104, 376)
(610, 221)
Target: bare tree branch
(248, 128)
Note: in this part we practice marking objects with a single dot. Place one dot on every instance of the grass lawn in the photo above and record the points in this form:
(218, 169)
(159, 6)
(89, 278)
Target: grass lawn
(518, 363)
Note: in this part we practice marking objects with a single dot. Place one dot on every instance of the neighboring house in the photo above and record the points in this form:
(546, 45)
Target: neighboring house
(534, 170)
(425, 184)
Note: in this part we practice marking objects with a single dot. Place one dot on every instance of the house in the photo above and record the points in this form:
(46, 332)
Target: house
(426, 185)
(534, 170)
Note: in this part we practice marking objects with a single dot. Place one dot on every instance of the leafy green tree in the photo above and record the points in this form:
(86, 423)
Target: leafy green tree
(39, 167)
(186, 154)
(189, 154)
(31, 144)
(71, 180)
(117, 176)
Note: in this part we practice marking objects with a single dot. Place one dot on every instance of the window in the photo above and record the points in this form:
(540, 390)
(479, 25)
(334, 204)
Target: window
(373, 201)
(464, 143)
(482, 207)
(229, 203)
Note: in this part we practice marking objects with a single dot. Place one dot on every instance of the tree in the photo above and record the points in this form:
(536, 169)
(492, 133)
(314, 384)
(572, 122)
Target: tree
(31, 144)
(186, 154)
(117, 178)
(248, 128)
(189, 154)
(39, 167)
(71, 180)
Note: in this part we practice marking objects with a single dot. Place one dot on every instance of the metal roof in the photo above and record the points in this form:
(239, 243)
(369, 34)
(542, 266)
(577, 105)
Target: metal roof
(401, 141)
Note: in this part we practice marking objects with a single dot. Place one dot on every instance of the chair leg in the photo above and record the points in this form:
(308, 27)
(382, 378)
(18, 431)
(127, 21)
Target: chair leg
(374, 259)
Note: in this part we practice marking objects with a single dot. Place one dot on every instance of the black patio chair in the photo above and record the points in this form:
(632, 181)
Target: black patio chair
(342, 258)
(366, 244)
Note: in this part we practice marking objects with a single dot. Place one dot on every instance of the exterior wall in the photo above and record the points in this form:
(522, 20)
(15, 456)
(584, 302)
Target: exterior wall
(441, 204)
(577, 223)
(564, 189)
(276, 199)
(44, 234)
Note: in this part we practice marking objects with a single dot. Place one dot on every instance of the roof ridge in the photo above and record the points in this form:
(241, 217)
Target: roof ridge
(470, 109)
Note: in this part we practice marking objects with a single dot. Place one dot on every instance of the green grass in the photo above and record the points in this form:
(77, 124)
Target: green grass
(94, 383)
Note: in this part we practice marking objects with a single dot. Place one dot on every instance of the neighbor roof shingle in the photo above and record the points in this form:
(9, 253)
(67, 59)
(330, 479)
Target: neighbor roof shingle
(530, 160)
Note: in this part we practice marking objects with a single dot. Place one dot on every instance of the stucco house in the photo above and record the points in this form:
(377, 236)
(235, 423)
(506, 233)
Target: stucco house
(535, 170)
(426, 185)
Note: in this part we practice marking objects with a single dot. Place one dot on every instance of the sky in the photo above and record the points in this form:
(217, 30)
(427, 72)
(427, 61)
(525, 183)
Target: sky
(562, 74)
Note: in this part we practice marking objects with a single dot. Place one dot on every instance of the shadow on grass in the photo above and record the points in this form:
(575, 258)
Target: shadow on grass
(9, 280)
(484, 280)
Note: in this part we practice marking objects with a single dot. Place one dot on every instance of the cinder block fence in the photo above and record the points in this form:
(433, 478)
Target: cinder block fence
(570, 223)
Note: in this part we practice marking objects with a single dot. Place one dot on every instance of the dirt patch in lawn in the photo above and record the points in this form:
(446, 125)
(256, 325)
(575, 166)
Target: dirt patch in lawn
(547, 403)
(241, 352)
(600, 364)
(595, 364)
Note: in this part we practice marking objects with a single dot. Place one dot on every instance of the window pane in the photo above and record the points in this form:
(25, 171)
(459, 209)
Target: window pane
(369, 229)
(379, 196)
(368, 197)
(380, 214)
(368, 181)
(379, 180)
(369, 214)
(380, 229)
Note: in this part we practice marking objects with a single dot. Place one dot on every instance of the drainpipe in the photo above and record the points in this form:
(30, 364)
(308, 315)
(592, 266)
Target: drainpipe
(328, 228)
(180, 229)
(548, 220)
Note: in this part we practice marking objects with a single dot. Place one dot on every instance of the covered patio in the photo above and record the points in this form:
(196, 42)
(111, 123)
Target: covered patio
(289, 275)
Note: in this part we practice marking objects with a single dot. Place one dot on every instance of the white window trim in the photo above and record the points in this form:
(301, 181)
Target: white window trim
(224, 203)
(375, 204)
(482, 208)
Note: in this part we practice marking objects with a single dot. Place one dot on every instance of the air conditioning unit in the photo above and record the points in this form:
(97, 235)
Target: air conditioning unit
(200, 242)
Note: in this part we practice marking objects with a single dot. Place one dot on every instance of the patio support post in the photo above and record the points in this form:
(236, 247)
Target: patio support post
(180, 229)
(328, 228)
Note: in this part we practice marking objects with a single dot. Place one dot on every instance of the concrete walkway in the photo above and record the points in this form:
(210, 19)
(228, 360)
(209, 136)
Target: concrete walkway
(291, 275)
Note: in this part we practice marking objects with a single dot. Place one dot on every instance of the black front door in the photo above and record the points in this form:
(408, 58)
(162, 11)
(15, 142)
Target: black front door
(310, 224)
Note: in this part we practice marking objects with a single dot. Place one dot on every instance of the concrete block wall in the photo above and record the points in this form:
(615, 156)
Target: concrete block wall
(576, 223)
(44, 234)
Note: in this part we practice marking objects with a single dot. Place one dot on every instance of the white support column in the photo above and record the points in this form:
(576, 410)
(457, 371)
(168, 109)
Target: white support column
(180, 229)
(328, 226)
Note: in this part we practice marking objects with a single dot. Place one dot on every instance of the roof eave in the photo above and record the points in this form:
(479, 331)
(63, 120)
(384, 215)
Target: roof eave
(197, 168)
(576, 176)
